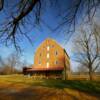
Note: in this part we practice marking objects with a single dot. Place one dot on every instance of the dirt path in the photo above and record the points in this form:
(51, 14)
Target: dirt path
(25, 92)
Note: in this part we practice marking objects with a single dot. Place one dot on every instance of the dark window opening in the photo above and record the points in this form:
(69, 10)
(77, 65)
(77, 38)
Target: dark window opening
(56, 53)
(56, 62)
(52, 46)
(40, 54)
(39, 62)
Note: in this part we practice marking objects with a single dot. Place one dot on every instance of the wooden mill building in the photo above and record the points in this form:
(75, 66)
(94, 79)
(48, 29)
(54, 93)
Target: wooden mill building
(50, 60)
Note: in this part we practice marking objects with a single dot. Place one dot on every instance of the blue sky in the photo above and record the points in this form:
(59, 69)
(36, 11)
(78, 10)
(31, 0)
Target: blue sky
(51, 17)
(29, 50)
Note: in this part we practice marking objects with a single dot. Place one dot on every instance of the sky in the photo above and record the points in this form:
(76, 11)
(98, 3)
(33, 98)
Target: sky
(51, 19)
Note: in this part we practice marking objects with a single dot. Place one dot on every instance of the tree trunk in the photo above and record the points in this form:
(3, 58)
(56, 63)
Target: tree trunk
(90, 74)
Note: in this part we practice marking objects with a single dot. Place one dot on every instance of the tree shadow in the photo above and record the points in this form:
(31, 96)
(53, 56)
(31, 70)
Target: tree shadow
(34, 93)
(50, 89)
(89, 87)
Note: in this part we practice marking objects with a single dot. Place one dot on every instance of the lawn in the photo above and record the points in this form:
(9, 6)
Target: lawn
(13, 87)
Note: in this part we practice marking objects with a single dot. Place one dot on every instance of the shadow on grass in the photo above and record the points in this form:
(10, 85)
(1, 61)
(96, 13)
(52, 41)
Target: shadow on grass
(90, 87)
(32, 92)
(36, 93)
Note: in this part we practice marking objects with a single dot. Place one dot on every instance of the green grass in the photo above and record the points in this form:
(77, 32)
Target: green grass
(85, 86)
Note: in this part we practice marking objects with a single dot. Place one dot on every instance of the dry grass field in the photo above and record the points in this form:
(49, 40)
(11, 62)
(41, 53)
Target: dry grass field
(19, 87)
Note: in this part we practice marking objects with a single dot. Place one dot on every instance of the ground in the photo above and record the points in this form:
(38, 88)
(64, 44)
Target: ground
(19, 87)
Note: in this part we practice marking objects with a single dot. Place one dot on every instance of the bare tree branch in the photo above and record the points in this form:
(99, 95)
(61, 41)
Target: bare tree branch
(19, 16)
(88, 56)
(1, 4)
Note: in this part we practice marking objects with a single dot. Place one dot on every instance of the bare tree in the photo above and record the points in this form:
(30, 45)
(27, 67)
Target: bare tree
(88, 50)
(11, 29)
(13, 61)
(10, 64)
(18, 15)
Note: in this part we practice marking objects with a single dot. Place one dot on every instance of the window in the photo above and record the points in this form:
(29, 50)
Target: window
(48, 48)
(56, 53)
(40, 54)
(44, 47)
(52, 46)
(56, 62)
(47, 64)
(39, 62)
(47, 55)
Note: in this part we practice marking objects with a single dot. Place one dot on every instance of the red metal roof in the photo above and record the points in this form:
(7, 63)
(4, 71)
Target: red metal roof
(45, 69)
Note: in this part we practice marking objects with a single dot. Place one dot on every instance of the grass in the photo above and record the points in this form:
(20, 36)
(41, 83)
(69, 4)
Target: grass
(88, 87)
